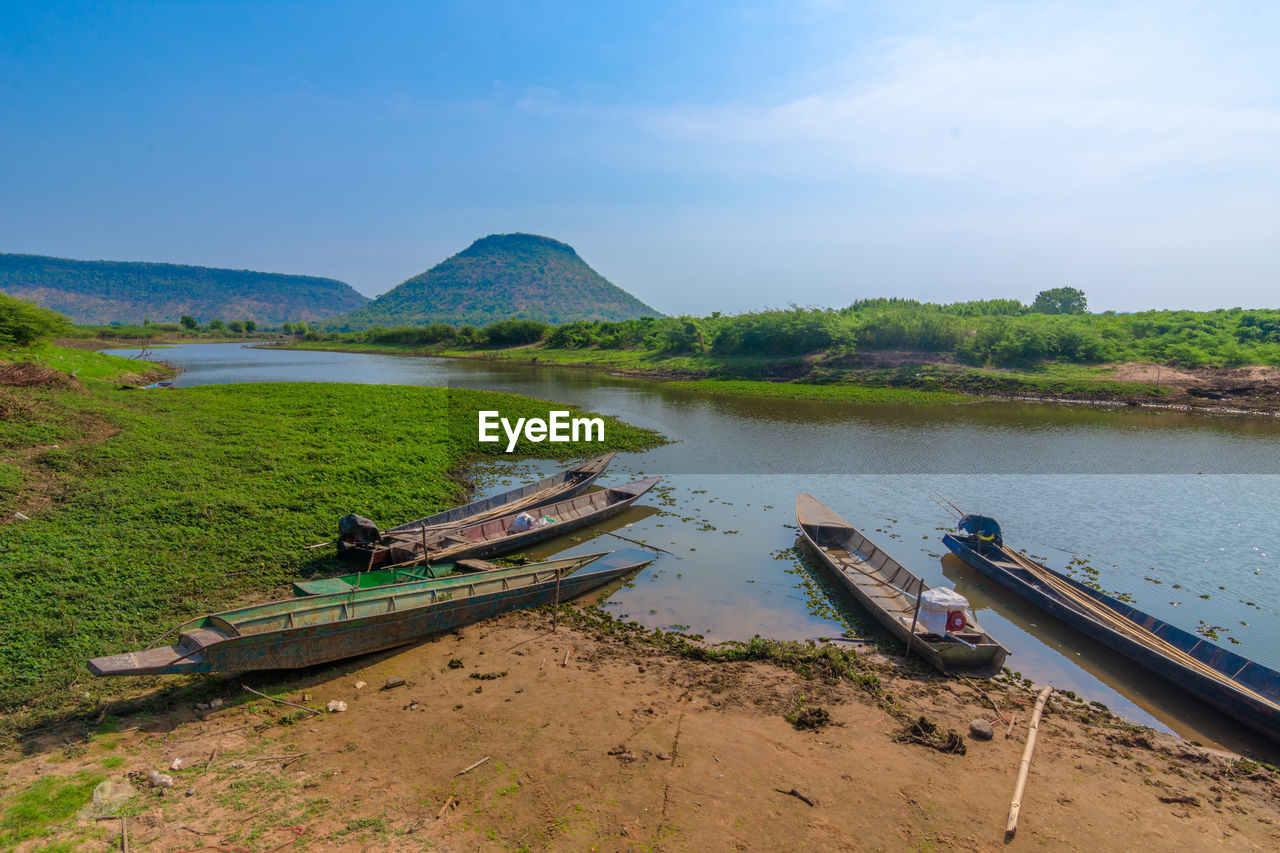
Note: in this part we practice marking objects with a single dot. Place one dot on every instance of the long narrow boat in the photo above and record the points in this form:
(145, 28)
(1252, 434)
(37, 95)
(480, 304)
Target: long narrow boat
(428, 574)
(1242, 689)
(557, 487)
(502, 534)
(297, 632)
(887, 590)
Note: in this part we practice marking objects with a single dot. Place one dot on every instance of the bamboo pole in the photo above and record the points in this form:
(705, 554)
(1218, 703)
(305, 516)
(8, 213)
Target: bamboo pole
(1025, 766)
(915, 614)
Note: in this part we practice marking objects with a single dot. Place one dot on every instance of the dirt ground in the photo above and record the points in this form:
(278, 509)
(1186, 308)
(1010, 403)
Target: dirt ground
(508, 737)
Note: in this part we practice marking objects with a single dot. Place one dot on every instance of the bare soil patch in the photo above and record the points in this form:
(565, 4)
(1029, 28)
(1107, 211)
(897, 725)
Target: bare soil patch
(28, 374)
(586, 743)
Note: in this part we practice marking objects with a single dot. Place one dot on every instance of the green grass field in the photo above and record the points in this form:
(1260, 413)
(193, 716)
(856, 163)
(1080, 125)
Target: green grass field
(168, 504)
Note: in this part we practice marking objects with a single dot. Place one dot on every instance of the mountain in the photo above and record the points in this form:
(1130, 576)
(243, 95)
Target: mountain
(499, 277)
(100, 292)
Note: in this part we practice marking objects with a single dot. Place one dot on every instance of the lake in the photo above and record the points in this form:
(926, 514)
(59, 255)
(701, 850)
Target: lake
(1177, 511)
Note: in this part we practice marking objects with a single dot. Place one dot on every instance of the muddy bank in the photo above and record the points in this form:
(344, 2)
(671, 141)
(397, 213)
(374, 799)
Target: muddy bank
(506, 736)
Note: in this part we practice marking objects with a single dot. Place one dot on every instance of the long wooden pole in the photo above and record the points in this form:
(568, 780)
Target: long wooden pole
(915, 614)
(1025, 766)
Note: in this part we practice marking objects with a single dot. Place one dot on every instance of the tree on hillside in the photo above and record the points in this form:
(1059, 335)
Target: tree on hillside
(22, 324)
(1060, 300)
(236, 326)
(188, 322)
(250, 326)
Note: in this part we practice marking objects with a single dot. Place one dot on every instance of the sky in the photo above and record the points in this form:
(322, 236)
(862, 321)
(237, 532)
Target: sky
(705, 156)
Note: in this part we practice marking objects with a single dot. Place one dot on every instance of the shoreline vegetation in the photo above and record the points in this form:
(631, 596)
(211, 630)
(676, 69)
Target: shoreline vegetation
(896, 350)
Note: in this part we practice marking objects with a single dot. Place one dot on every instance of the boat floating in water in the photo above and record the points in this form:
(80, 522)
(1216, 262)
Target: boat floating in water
(893, 595)
(297, 632)
(1242, 689)
(360, 541)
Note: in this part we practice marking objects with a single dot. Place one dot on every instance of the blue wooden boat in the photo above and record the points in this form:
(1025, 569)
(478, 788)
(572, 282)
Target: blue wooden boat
(1242, 689)
(889, 592)
(359, 541)
(297, 632)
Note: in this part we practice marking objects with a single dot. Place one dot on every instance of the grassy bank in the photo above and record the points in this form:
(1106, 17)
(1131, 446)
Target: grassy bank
(85, 364)
(150, 507)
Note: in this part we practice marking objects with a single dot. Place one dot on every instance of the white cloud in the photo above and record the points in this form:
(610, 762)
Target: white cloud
(1034, 105)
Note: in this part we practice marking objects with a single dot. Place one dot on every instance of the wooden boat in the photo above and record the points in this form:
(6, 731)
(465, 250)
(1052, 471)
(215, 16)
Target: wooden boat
(557, 487)
(885, 588)
(1242, 689)
(299, 632)
(443, 571)
(496, 536)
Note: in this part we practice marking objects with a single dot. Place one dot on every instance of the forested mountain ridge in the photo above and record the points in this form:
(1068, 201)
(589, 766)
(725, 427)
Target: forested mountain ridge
(499, 277)
(101, 292)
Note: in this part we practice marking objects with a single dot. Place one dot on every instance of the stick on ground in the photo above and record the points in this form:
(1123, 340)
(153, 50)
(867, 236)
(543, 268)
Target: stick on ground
(1025, 765)
(281, 701)
(472, 767)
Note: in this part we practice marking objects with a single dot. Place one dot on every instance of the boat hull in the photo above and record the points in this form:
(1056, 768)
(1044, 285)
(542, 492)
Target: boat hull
(309, 645)
(881, 599)
(558, 487)
(1262, 717)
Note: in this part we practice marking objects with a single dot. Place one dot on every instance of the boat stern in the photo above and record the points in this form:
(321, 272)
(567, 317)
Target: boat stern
(160, 661)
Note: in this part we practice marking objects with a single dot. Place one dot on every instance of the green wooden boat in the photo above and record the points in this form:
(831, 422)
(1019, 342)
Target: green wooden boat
(383, 577)
(298, 632)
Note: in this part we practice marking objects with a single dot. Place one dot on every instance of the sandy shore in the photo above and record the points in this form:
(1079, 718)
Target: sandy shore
(506, 736)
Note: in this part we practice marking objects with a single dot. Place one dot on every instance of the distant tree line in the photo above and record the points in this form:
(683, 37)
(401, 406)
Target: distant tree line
(990, 332)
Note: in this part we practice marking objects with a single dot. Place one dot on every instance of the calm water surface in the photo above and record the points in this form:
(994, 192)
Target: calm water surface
(1180, 512)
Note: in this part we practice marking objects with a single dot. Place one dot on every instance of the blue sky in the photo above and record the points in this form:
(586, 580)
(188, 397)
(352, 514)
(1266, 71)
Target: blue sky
(703, 155)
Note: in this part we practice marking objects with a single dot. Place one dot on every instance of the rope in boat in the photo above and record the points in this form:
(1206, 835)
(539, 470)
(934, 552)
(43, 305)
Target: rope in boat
(1108, 617)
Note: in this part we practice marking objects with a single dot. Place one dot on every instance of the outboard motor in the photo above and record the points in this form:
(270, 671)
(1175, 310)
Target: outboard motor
(983, 530)
(357, 530)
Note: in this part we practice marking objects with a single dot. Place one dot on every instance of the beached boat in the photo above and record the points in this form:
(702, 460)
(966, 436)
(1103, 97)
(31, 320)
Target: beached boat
(507, 533)
(297, 632)
(440, 572)
(1240, 688)
(361, 542)
(892, 594)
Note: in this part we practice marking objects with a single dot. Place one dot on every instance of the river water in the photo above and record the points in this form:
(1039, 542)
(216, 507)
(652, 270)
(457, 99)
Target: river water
(1177, 511)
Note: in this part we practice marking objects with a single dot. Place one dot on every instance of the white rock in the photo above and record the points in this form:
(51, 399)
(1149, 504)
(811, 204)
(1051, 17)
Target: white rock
(17, 516)
(215, 703)
(359, 685)
(160, 780)
(336, 706)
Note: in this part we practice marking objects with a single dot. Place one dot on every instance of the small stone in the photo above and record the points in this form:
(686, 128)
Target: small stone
(238, 765)
(336, 706)
(359, 685)
(214, 704)
(664, 756)
(306, 697)
(394, 681)
(982, 730)
(202, 706)
(159, 780)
